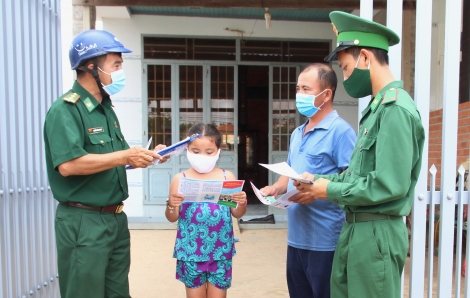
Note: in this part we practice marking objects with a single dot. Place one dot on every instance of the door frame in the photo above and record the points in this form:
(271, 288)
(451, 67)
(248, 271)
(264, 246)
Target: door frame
(278, 156)
(166, 171)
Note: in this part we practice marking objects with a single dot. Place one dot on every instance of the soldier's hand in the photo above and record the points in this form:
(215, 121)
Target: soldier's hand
(302, 198)
(175, 200)
(304, 175)
(139, 157)
(158, 148)
(316, 190)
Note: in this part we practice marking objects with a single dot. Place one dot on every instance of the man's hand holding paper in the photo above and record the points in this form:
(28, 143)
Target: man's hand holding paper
(269, 191)
(138, 157)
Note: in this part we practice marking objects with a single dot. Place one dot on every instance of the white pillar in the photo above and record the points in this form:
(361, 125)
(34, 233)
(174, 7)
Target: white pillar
(366, 13)
(453, 23)
(66, 19)
(421, 96)
(395, 22)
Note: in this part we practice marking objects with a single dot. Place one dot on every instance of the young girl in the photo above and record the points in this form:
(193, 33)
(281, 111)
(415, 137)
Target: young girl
(204, 242)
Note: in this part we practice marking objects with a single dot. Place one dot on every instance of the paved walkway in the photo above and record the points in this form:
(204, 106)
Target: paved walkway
(259, 267)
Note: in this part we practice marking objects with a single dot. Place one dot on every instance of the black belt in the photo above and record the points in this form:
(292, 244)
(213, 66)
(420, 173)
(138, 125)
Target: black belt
(352, 217)
(111, 208)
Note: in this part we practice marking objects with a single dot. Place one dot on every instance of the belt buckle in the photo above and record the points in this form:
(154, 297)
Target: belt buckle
(119, 208)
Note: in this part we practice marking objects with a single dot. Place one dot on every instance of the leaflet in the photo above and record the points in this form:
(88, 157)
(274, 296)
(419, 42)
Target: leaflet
(279, 202)
(176, 148)
(284, 169)
(210, 191)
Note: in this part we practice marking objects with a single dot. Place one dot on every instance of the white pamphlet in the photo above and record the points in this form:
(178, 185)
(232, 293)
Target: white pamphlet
(284, 169)
(279, 202)
(210, 191)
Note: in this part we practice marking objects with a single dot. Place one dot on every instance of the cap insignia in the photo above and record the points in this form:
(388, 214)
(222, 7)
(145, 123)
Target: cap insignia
(334, 29)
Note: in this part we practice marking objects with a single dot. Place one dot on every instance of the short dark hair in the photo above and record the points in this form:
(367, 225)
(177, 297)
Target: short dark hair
(101, 60)
(326, 76)
(206, 130)
(380, 55)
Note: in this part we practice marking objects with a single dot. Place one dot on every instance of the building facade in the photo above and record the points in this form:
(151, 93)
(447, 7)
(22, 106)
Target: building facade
(224, 66)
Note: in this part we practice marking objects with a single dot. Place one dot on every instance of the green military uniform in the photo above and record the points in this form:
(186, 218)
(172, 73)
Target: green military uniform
(378, 187)
(93, 246)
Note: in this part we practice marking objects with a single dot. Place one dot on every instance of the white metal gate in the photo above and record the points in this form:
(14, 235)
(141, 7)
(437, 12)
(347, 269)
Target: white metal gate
(30, 79)
(427, 197)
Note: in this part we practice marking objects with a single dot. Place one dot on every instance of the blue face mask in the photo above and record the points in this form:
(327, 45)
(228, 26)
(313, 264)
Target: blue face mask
(118, 81)
(305, 104)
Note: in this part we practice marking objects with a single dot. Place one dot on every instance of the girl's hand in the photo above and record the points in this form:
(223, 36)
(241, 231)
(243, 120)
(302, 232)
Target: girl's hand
(240, 198)
(176, 199)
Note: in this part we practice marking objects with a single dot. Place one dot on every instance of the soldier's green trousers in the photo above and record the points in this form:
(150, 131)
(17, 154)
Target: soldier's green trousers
(93, 253)
(369, 259)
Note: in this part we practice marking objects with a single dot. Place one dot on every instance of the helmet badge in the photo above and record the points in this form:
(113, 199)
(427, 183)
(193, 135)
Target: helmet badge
(81, 49)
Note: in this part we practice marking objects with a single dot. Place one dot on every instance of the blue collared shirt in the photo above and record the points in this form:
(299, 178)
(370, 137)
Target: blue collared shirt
(325, 149)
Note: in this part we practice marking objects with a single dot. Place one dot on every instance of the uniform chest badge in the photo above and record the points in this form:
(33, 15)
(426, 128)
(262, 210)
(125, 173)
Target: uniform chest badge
(115, 124)
(95, 130)
(88, 104)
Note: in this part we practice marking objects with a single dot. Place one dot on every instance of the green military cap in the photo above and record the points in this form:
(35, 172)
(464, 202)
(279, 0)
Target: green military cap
(353, 31)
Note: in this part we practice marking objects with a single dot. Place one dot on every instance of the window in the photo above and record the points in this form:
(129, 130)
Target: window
(284, 110)
(222, 103)
(189, 49)
(225, 50)
(190, 103)
(159, 104)
(284, 51)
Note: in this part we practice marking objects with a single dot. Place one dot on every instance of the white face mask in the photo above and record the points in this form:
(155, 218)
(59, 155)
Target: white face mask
(118, 81)
(202, 163)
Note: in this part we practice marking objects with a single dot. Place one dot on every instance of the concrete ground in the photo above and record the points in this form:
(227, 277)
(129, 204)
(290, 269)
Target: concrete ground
(258, 272)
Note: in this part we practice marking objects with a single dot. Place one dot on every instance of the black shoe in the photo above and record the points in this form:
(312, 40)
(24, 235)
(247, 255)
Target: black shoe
(262, 220)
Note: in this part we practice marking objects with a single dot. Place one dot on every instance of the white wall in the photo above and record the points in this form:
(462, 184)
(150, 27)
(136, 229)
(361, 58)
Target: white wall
(129, 30)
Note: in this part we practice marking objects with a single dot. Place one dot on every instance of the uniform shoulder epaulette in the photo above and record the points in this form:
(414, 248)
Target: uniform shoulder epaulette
(71, 97)
(390, 96)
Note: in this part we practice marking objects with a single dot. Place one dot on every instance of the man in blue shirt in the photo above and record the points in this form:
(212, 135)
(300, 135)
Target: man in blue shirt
(323, 144)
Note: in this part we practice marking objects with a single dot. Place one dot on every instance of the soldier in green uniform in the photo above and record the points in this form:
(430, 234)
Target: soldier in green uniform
(86, 154)
(377, 189)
